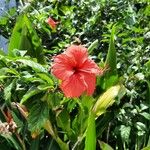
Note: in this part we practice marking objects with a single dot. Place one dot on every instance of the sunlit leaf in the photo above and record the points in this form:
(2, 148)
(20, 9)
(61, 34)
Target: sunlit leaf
(148, 65)
(145, 115)
(107, 99)
(104, 146)
(90, 141)
(5, 70)
(46, 77)
(125, 132)
(34, 65)
(45, 87)
(146, 148)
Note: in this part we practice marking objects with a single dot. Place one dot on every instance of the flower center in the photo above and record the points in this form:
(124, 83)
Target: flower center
(75, 69)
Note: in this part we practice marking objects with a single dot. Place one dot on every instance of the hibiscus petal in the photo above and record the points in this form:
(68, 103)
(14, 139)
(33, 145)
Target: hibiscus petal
(90, 80)
(52, 23)
(62, 66)
(78, 53)
(90, 66)
(74, 86)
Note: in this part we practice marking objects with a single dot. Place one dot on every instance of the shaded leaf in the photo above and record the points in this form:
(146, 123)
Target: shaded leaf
(35, 143)
(93, 46)
(81, 120)
(38, 116)
(111, 56)
(63, 121)
(10, 139)
(24, 37)
(31, 92)
(49, 128)
(8, 91)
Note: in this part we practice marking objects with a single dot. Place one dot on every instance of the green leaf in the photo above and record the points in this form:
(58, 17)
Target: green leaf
(38, 116)
(31, 92)
(107, 99)
(24, 37)
(35, 143)
(107, 81)
(140, 126)
(93, 46)
(145, 115)
(46, 77)
(146, 148)
(33, 79)
(48, 127)
(81, 120)
(111, 56)
(66, 10)
(125, 133)
(45, 87)
(63, 121)
(34, 65)
(104, 123)
(87, 102)
(3, 20)
(19, 53)
(5, 70)
(16, 35)
(8, 91)
(17, 120)
(104, 146)
(112, 80)
(3, 77)
(2, 52)
(90, 141)
(10, 139)
(148, 65)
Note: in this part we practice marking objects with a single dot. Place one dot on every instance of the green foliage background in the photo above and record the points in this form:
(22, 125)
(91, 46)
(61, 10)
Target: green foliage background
(116, 32)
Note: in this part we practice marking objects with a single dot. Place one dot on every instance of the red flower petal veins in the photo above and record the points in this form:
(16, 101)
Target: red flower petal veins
(73, 86)
(90, 66)
(76, 70)
(90, 80)
(62, 66)
(78, 53)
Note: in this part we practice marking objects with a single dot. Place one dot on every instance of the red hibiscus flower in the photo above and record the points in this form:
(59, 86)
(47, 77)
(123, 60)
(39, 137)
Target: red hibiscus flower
(52, 23)
(76, 70)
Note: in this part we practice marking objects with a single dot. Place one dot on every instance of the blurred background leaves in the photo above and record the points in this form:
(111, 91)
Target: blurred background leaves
(24, 75)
